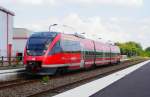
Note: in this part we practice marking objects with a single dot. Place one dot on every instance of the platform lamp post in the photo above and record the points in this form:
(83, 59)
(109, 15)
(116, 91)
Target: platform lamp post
(52, 26)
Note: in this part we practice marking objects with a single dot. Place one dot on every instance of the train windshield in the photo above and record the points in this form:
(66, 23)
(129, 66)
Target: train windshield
(39, 42)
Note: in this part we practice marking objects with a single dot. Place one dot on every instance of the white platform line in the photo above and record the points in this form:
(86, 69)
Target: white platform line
(11, 70)
(94, 86)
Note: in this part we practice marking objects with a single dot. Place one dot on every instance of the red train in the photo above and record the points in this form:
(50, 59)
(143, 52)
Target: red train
(49, 52)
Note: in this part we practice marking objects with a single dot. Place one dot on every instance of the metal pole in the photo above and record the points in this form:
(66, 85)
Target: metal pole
(51, 26)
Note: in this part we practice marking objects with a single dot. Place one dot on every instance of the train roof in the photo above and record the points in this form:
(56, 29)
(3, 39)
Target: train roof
(44, 34)
(78, 36)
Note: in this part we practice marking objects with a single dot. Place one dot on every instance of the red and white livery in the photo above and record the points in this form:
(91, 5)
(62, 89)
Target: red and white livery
(47, 52)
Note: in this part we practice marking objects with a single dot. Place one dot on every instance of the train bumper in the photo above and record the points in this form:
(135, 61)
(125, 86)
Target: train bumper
(35, 70)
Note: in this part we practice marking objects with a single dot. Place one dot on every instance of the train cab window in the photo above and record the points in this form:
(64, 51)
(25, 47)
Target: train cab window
(56, 49)
(38, 43)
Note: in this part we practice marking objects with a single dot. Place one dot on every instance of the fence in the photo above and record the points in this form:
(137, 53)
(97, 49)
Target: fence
(8, 61)
(4, 52)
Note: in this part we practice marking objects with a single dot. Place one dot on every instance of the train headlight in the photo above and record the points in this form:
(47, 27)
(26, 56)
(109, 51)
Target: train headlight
(44, 51)
(28, 51)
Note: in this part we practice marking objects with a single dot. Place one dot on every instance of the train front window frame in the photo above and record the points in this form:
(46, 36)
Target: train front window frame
(39, 42)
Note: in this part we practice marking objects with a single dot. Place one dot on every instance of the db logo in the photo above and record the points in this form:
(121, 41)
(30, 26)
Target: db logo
(33, 59)
(73, 58)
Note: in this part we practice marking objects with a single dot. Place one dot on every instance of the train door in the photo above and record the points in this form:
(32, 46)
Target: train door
(89, 54)
(103, 55)
(76, 53)
(71, 48)
(111, 60)
(82, 56)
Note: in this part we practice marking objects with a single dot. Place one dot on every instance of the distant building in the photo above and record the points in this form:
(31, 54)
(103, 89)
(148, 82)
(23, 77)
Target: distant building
(20, 36)
(6, 31)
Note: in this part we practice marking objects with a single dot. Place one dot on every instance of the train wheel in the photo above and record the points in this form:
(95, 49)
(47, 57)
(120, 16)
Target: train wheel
(118, 62)
(93, 66)
(61, 70)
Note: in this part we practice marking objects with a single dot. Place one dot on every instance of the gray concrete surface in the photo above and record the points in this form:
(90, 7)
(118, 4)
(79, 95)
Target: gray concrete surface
(136, 84)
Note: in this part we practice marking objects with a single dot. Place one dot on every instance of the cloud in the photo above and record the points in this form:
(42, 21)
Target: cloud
(115, 29)
(34, 2)
(111, 28)
(128, 3)
(109, 2)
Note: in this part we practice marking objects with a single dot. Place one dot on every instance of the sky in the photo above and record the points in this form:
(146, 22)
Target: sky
(115, 20)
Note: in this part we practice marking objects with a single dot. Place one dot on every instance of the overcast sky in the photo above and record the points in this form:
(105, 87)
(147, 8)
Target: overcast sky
(115, 20)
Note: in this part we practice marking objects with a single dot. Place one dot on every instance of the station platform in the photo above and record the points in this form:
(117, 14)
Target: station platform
(11, 70)
(10, 74)
(131, 82)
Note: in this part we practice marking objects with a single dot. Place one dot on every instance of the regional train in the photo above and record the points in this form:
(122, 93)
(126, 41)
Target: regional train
(49, 52)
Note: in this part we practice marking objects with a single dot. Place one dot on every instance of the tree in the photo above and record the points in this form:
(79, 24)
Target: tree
(130, 48)
(147, 52)
(147, 49)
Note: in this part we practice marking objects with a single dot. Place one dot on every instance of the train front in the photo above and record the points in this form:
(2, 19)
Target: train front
(37, 51)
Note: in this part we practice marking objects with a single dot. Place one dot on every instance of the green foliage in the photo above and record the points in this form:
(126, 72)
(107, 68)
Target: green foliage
(45, 79)
(147, 52)
(147, 49)
(130, 48)
(17, 60)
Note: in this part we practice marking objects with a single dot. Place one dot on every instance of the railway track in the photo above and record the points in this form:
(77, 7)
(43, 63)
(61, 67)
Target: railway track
(14, 83)
(34, 87)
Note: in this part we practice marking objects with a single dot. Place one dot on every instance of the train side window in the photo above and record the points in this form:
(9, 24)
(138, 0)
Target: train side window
(71, 46)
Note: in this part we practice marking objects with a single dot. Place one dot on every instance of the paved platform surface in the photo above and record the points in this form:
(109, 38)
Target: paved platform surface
(10, 74)
(137, 84)
(11, 70)
(131, 82)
